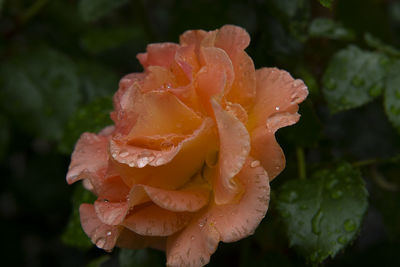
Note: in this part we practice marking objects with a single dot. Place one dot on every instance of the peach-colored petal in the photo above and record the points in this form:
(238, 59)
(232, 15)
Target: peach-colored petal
(234, 149)
(155, 221)
(187, 60)
(243, 89)
(104, 236)
(265, 148)
(218, 58)
(187, 199)
(110, 187)
(192, 37)
(232, 39)
(161, 54)
(238, 111)
(131, 240)
(90, 156)
(192, 246)
(162, 113)
(111, 213)
(277, 92)
(176, 166)
(158, 78)
(239, 220)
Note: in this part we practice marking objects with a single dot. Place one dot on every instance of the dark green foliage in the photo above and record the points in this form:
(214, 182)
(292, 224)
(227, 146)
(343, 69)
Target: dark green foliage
(392, 94)
(323, 214)
(73, 234)
(327, 28)
(91, 10)
(353, 78)
(142, 258)
(326, 3)
(40, 90)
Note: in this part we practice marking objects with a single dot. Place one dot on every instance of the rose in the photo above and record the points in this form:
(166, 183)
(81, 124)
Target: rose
(189, 160)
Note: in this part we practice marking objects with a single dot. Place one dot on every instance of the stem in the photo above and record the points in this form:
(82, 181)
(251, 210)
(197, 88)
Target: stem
(368, 162)
(32, 11)
(301, 163)
(382, 182)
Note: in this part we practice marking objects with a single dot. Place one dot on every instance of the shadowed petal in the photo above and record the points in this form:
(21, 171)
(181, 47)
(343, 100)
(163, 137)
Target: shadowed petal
(239, 220)
(131, 240)
(234, 149)
(104, 236)
(155, 221)
(90, 156)
(192, 246)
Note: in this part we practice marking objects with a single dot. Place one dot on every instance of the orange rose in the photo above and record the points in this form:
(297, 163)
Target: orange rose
(189, 160)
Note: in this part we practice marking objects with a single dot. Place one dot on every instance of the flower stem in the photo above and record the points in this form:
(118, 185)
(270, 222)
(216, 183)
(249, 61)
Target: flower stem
(301, 163)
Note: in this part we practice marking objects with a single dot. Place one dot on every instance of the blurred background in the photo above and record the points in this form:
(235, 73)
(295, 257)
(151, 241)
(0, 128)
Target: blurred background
(60, 63)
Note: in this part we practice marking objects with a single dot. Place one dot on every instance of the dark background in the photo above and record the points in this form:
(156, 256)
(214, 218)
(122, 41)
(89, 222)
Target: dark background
(60, 62)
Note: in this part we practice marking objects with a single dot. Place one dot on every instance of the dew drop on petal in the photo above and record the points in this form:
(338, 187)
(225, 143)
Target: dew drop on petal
(255, 163)
(100, 242)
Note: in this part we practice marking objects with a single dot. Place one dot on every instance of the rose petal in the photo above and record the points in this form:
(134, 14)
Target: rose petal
(110, 187)
(192, 37)
(90, 156)
(234, 149)
(131, 240)
(187, 199)
(104, 236)
(192, 246)
(239, 220)
(277, 92)
(176, 165)
(111, 213)
(162, 54)
(265, 148)
(155, 221)
(232, 39)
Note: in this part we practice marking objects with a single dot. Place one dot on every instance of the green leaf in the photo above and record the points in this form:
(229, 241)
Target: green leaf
(327, 28)
(326, 3)
(1, 6)
(98, 262)
(392, 95)
(40, 89)
(100, 40)
(73, 234)
(374, 42)
(92, 10)
(323, 214)
(353, 78)
(89, 118)
(142, 258)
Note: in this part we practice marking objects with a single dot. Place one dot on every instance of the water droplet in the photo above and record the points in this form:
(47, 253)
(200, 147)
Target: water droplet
(337, 194)
(108, 233)
(114, 155)
(349, 225)
(375, 90)
(277, 108)
(342, 240)
(357, 81)
(106, 200)
(330, 84)
(131, 164)
(255, 163)
(192, 237)
(316, 222)
(201, 224)
(100, 242)
(123, 154)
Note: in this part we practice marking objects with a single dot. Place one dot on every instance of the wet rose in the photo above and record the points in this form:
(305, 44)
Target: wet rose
(188, 161)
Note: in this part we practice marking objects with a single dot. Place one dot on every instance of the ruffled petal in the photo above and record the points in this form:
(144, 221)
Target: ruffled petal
(111, 213)
(155, 221)
(109, 186)
(232, 39)
(189, 199)
(176, 166)
(131, 240)
(234, 149)
(102, 235)
(239, 220)
(90, 156)
(277, 92)
(265, 148)
(161, 54)
(192, 37)
(193, 246)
